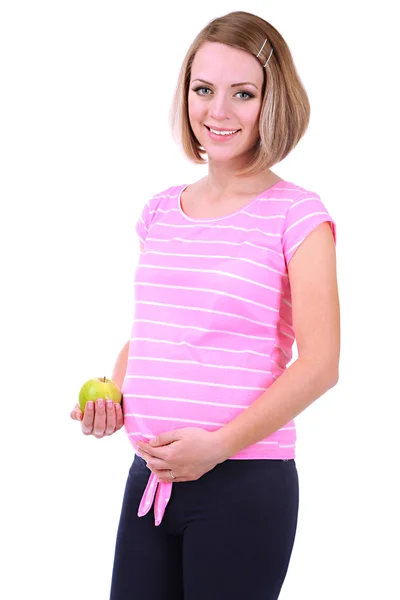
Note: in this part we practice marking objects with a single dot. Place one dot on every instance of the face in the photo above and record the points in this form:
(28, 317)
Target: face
(225, 97)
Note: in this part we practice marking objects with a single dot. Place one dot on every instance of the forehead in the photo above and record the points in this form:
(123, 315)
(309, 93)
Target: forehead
(218, 62)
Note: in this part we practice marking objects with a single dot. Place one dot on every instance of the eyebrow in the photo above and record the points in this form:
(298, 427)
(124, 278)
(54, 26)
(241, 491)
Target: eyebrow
(233, 84)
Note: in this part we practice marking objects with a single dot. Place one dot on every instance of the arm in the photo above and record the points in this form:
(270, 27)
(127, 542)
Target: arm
(121, 366)
(316, 319)
(122, 360)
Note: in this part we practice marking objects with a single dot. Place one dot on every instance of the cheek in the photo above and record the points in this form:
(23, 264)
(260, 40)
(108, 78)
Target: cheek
(251, 121)
(195, 111)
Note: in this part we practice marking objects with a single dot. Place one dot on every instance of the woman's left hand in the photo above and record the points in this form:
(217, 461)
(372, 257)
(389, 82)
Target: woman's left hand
(189, 453)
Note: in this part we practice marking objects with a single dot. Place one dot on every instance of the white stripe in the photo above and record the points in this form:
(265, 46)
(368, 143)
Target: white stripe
(212, 423)
(200, 364)
(216, 348)
(144, 224)
(172, 419)
(161, 196)
(278, 365)
(164, 211)
(309, 216)
(219, 404)
(302, 239)
(149, 436)
(245, 243)
(295, 246)
(196, 289)
(272, 443)
(287, 334)
(213, 226)
(213, 271)
(209, 310)
(308, 199)
(180, 189)
(193, 382)
(278, 444)
(168, 324)
(264, 217)
(234, 258)
(283, 351)
(287, 324)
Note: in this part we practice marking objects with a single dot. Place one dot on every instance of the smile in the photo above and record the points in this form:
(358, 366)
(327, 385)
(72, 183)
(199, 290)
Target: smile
(221, 134)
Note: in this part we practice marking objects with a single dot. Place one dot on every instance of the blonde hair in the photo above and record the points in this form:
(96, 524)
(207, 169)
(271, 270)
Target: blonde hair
(285, 110)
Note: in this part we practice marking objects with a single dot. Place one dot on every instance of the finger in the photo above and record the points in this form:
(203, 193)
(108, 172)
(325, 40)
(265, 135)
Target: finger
(99, 424)
(155, 464)
(120, 416)
(88, 416)
(155, 452)
(75, 413)
(165, 475)
(111, 419)
(166, 438)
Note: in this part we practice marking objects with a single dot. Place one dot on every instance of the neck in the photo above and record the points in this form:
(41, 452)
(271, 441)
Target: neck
(223, 182)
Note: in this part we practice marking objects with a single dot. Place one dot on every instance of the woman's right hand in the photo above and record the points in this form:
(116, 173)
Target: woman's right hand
(101, 418)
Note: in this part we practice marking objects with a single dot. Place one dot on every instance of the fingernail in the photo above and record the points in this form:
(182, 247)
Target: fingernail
(109, 403)
(100, 403)
(90, 405)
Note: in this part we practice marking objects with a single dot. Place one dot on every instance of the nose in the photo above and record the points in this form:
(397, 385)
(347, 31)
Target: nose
(219, 108)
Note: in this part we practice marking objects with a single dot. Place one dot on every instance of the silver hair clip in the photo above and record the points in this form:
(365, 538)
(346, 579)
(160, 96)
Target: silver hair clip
(262, 48)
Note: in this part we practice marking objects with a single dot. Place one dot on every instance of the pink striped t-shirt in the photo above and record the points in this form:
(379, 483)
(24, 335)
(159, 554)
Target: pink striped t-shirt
(213, 324)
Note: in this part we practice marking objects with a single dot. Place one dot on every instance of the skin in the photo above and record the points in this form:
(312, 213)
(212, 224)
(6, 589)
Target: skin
(100, 418)
(216, 103)
(191, 452)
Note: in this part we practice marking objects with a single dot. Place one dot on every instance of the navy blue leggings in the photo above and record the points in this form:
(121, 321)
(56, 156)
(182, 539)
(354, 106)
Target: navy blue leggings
(227, 536)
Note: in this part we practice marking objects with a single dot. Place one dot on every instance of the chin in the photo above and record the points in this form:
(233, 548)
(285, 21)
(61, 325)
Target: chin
(224, 155)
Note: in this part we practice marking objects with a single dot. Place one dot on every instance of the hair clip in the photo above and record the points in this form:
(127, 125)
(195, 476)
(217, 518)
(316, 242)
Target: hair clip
(262, 48)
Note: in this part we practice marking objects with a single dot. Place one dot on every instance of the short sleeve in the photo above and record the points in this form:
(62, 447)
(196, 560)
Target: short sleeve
(303, 216)
(143, 224)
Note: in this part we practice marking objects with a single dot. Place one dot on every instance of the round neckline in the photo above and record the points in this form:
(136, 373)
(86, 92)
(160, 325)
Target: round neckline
(244, 207)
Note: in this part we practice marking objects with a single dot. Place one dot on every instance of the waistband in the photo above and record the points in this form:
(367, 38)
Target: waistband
(159, 493)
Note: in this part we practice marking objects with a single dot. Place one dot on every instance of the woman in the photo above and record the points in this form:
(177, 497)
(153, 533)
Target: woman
(233, 269)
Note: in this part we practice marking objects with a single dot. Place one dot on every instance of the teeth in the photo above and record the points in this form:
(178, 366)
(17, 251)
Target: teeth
(223, 132)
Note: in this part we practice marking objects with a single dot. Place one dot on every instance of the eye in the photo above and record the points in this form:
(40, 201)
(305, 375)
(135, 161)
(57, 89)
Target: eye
(247, 94)
(200, 89)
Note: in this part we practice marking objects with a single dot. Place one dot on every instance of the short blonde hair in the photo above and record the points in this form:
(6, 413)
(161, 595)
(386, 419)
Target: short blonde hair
(285, 110)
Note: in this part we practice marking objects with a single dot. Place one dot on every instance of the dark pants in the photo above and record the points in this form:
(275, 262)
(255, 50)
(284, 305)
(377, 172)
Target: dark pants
(227, 536)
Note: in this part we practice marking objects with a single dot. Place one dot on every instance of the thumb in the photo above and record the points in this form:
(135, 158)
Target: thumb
(165, 438)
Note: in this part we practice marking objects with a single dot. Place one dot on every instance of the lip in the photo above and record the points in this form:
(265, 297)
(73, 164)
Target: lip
(221, 128)
(221, 139)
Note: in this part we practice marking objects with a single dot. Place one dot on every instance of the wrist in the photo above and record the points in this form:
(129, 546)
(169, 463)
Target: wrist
(221, 445)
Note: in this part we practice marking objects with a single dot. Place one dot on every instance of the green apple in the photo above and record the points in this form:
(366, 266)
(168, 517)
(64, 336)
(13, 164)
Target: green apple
(99, 387)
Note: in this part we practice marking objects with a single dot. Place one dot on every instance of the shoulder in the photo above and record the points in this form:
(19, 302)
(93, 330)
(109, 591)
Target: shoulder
(170, 192)
(164, 196)
(154, 199)
(303, 202)
(305, 212)
(296, 192)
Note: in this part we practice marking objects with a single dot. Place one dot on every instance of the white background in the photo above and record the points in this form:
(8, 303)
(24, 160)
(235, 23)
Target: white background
(84, 139)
